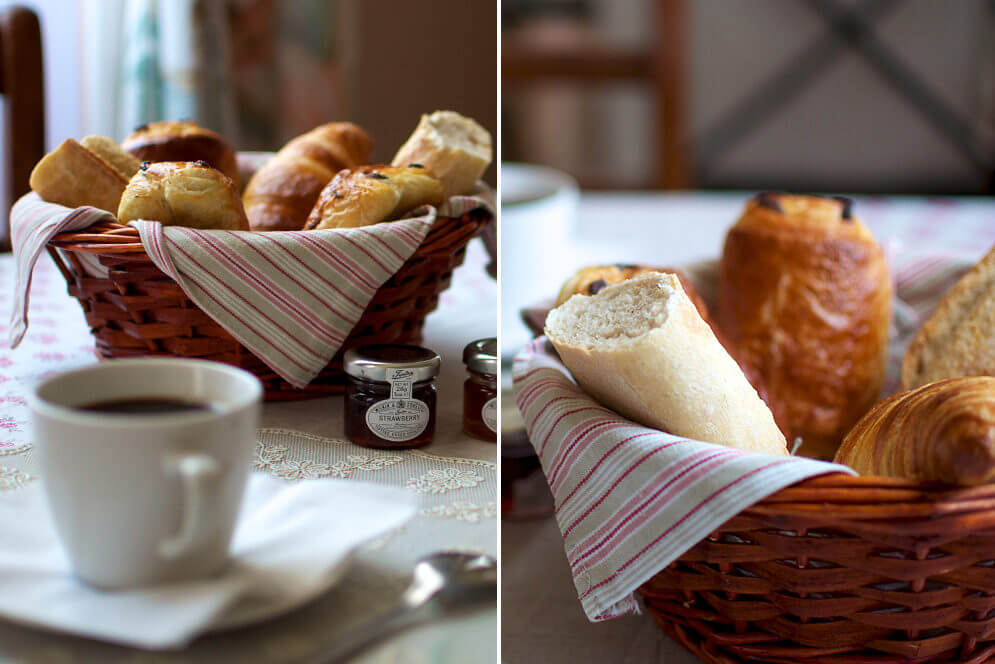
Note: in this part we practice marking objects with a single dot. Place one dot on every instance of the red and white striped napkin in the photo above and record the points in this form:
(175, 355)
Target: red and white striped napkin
(291, 298)
(629, 499)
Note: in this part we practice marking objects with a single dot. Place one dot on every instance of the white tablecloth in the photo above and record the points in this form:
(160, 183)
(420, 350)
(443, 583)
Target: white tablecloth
(542, 620)
(455, 478)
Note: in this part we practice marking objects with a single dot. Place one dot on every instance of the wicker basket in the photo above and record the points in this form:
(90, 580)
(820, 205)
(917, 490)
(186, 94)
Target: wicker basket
(137, 310)
(843, 570)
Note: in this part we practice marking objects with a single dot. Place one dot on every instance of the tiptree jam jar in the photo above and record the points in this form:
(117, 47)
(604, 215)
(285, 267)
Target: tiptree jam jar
(480, 390)
(390, 395)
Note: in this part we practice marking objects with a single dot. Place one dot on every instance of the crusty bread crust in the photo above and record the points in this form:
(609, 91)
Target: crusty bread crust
(676, 376)
(73, 176)
(108, 150)
(956, 340)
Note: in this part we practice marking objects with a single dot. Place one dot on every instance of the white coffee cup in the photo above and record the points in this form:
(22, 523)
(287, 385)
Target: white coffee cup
(538, 207)
(142, 499)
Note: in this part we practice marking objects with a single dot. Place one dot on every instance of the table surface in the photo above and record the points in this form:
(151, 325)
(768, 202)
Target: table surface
(541, 619)
(466, 312)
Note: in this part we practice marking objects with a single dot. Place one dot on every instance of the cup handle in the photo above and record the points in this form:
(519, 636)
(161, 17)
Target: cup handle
(199, 475)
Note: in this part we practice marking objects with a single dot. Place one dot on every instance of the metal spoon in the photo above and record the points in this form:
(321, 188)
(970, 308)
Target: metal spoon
(442, 583)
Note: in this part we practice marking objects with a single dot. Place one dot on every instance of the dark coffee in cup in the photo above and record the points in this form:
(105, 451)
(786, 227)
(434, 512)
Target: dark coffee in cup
(146, 406)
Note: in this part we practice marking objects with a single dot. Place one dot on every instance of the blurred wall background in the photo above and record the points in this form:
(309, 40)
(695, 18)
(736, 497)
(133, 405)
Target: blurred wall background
(826, 116)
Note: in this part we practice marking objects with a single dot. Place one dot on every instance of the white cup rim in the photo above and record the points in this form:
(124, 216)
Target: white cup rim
(547, 183)
(241, 399)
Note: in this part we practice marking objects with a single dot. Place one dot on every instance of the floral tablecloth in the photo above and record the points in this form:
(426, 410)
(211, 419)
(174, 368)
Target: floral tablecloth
(455, 479)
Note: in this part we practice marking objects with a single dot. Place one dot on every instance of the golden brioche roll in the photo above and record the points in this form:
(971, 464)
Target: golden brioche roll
(281, 194)
(958, 339)
(182, 141)
(454, 147)
(805, 299)
(183, 194)
(73, 176)
(109, 150)
(943, 431)
(371, 194)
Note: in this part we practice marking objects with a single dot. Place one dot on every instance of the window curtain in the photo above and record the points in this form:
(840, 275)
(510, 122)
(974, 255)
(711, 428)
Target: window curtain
(256, 71)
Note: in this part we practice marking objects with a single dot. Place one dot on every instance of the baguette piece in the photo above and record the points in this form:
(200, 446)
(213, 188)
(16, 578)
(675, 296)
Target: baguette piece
(108, 150)
(641, 348)
(805, 299)
(281, 194)
(455, 148)
(958, 338)
(73, 176)
(592, 279)
(943, 431)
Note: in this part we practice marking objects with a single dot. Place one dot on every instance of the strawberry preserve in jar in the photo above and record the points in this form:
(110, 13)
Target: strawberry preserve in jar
(480, 390)
(390, 395)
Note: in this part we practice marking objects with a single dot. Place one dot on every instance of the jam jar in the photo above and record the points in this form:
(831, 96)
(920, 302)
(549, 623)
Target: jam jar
(480, 390)
(390, 395)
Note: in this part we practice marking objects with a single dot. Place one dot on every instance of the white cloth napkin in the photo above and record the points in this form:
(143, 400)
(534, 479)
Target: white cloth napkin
(292, 541)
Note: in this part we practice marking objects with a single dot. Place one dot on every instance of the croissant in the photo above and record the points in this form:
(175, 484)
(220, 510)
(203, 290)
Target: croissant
(805, 299)
(943, 431)
(281, 194)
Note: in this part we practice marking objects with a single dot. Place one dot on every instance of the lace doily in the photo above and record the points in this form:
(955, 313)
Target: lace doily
(448, 487)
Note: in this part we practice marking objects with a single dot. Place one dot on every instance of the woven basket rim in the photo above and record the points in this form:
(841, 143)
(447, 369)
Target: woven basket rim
(113, 237)
(845, 498)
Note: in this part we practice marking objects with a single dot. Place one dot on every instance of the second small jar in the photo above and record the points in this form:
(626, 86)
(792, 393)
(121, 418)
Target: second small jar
(480, 390)
(390, 395)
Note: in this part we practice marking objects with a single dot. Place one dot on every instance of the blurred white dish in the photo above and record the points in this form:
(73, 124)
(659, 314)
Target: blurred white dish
(292, 542)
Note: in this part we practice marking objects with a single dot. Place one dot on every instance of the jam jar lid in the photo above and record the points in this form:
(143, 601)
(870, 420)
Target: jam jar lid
(481, 356)
(372, 361)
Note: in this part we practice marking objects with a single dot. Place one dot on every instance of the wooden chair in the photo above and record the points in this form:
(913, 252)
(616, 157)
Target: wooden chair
(660, 66)
(23, 86)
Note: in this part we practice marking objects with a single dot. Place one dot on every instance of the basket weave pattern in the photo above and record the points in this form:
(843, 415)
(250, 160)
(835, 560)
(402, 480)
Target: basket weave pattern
(137, 310)
(840, 569)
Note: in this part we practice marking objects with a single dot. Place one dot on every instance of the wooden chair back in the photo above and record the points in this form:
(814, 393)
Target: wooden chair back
(22, 85)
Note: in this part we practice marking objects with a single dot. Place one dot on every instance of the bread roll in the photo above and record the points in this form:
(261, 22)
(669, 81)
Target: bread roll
(73, 176)
(943, 431)
(455, 148)
(641, 348)
(805, 299)
(958, 339)
(108, 150)
(281, 194)
(182, 141)
(183, 194)
(371, 194)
